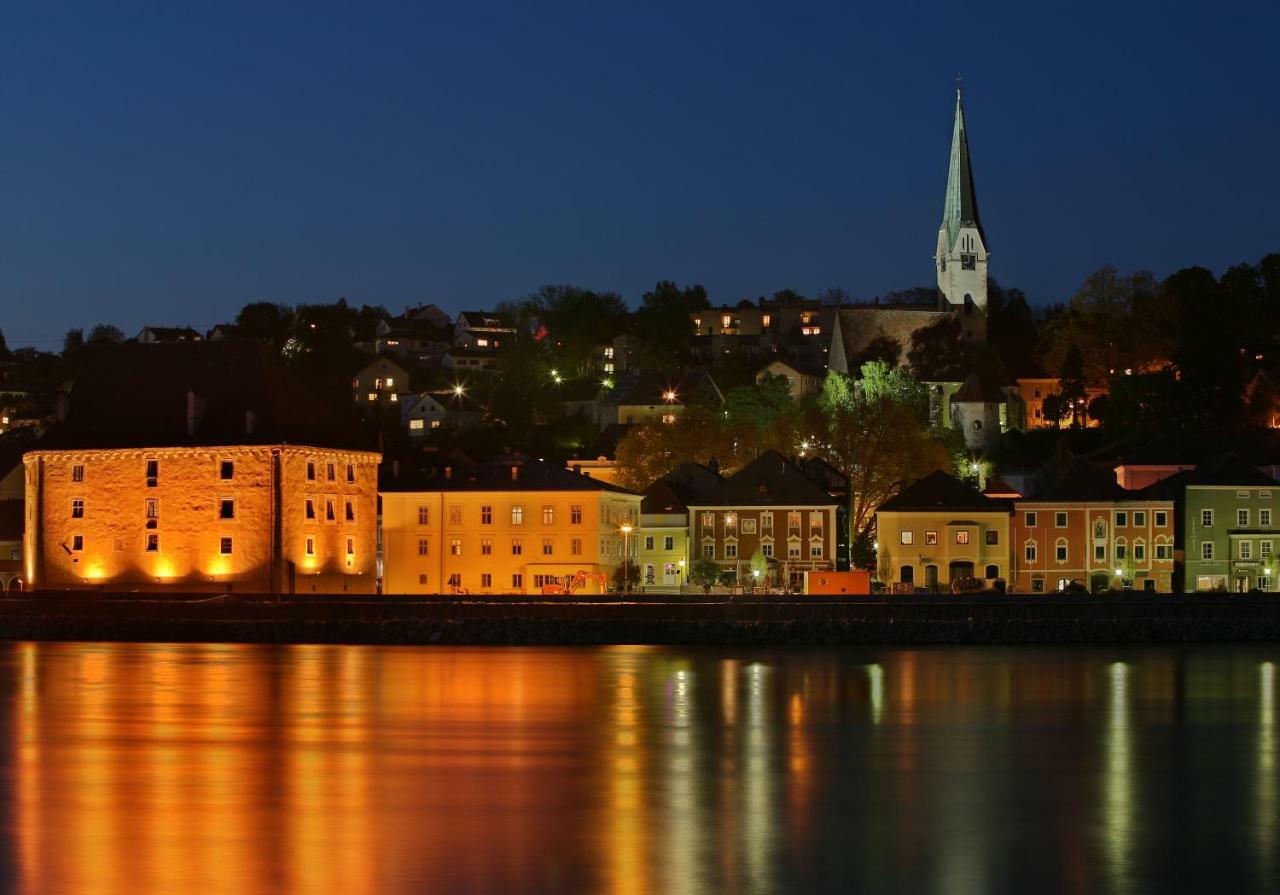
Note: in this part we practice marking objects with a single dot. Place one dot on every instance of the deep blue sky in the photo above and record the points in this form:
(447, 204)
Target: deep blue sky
(168, 165)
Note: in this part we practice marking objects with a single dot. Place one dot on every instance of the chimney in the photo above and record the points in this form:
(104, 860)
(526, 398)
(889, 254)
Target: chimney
(250, 422)
(195, 411)
(448, 472)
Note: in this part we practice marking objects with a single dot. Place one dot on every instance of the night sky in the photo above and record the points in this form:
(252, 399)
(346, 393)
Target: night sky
(167, 166)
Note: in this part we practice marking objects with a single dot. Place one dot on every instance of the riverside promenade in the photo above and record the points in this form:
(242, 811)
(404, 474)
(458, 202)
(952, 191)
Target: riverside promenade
(640, 619)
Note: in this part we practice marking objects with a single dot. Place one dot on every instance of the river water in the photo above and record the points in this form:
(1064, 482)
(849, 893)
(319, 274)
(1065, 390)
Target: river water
(313, 769)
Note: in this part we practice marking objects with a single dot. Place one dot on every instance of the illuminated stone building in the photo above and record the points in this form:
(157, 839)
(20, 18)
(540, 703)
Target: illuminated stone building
(515, 526)
(199, 466)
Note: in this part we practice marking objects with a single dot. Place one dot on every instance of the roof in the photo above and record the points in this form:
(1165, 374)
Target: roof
(652, 388)
(1226, 470)
(484, 320)
(136, 395)
(770, 480)
(663, 498)
(940, 491)
(998, 488)
(498, 476)
(1085, 481)
(961, 206)
(172, 333)
(985, 382)
(606, 443)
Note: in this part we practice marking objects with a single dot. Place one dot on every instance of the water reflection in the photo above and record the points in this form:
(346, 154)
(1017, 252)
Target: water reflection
(216, 768)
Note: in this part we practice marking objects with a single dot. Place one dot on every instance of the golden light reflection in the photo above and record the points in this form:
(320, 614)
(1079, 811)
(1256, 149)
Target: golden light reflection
(1265, 786)
(1118, 780)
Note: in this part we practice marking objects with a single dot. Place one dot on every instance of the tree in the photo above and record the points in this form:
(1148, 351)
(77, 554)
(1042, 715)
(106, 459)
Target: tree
(1072, 389)
(882, 348)
(704, 573)
(759, 569)
(270, 322)
(652, 450)
(4, 346)
(937, 352)
(73, 341)
(105, 334)
(577, 320)
(663, 324)
(626, 577)
(881, 381)
(1055, 409)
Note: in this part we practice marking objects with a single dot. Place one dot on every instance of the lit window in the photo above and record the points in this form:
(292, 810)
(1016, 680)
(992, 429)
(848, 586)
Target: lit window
(793, 520)
(548, 545)
(906, 537)
(391, 383)
(224, 546)
(486, 546)
(668, 418)
(415, 425)
(77, 508)
(226, 470)
(962, 537)
(226, 508)
(455, 514)
(931, 539)
(455, 547)
(517, 515)
(548, 515)
(77, 473)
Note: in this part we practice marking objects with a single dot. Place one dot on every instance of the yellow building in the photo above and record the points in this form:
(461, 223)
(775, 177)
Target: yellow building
(941, 531)
(662, 546)
(198, 467)
(505, 527)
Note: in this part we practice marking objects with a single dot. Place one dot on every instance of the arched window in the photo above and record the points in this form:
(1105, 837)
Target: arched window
(1060, 551)
(907, 574)
(977, 425)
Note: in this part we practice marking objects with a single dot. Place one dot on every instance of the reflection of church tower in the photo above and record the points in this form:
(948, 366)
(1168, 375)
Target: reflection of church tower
(962, 247)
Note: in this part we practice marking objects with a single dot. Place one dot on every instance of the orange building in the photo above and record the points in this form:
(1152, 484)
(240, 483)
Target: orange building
(1034, 389)
(198, 466)
(1088, 531)
(519, 526)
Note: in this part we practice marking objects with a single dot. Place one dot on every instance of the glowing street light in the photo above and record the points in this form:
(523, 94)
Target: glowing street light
(555, 374)
(458, 390)
(625, 528)
(606, 383)
(669, 395)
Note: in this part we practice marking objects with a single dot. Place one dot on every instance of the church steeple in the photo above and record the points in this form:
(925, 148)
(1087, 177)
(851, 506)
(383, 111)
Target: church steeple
(961, 206)
(961, 255)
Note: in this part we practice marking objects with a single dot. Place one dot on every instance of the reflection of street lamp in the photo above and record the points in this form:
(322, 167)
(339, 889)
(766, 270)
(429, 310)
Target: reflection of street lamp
(625, 528)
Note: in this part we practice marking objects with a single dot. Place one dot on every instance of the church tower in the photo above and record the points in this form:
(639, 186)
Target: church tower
(961, 257)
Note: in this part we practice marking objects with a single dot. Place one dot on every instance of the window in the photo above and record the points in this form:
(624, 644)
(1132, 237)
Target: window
(1139, 519)
(709, 551)
(1246, 550)
(548, 514)
(153, 472)
(486, 515)
(548, 545)
(1164, 551)
(330, 511)
(153, 543)
(1264, 582)
(349, 510)
(709, 522)
(415, 425)
(423, 547)
(1242, 495)
(1264, 518)
(486, 546)
(766, 522)
(962, 536)
(226, 470)
(793, 521)
(992, 537)
(669, 542)
(311, 470)
(1030, 552)
(351, 547)
(1206, 518)
(351, 472)
(224, 546)
(455, 580)
(424, 515)
(817, 520)
(77, 473)
(815, 551)
(575, 514)
(1206, 550)
(77, 508)
(330, 472)
(1242, 518)
(1122, 519)
(648, 542)
(455, 547)
(766, 550)
(517, 514)
(1099, 552)
(730, 551)
(1264, 549)
(1139, 551)
(1121, 551)
(931, 539)
(77, 542)
(486, 579)
(226, 508)
(311, 546)
(1059, 520)
(517, 581)
(793, 550)
(1031, 520)
(455, 514)
(517, 546)
(668, 419)
(1060, 551)
(1037, 585)
(153, 512)
(906, 537)
(311, 508)
(575, 546)
(422, 578)
(1161, 518)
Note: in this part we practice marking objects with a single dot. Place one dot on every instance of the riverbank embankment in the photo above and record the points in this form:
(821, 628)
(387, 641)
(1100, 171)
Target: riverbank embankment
(653, 619)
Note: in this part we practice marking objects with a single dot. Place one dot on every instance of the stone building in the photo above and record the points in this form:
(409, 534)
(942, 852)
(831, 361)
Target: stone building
(199, 466)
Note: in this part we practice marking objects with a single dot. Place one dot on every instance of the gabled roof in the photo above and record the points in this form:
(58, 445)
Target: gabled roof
(940, 491)
(1227, 470)
(652, 388)
(1085, 481)
(961, 206)
(664, 498)
(172, 333)
(498, 476)
(135, 395)
(484, 320)
(770, 480)
(985, 382)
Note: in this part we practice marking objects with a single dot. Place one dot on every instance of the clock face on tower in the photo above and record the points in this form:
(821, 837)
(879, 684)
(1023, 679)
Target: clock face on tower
(968, 261)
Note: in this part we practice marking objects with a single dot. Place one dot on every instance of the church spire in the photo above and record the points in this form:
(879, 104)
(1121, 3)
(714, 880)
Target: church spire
(961, 207)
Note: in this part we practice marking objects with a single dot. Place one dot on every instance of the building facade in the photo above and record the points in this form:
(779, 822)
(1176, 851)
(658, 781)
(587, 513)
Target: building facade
(504, 527)
(940, 533)
(1231, 520)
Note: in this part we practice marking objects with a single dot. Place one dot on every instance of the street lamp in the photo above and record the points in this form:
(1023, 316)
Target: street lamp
(669, 395)
(625, 528)
(458, 390)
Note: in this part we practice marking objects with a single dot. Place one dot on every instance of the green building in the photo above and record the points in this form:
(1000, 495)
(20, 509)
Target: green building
(1231, 526)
